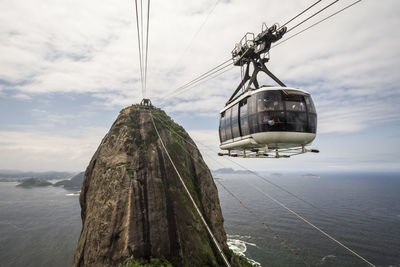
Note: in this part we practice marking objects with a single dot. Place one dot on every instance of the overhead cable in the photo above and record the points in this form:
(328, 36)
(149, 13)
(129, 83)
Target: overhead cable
(140, 48)
(315, 24)
(211, 78)
(202, 80)
(275, 234)
(200, 77)
(312, 225)
(301, 13)
(205, 75)
(291, 211)
(147, 45)
(191, 198)
(252, 213)
(252, 172)
(313, 15)
(196, 33)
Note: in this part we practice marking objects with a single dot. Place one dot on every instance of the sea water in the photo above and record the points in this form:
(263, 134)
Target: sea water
(41, 226)
(361, 210)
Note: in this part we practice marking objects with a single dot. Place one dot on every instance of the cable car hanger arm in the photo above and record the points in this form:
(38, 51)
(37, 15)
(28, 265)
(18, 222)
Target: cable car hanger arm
(253, 50)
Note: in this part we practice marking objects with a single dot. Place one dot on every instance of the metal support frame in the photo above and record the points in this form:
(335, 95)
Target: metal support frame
(266, 153)
(258, 66)
(255, 51)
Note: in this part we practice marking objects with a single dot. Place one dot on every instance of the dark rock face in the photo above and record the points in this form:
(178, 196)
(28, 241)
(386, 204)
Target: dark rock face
(133, 203)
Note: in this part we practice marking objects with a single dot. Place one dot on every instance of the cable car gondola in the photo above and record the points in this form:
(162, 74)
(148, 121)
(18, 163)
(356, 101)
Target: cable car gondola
(265, 119)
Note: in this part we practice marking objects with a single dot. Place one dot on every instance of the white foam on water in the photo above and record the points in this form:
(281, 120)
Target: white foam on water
(327, 258)
(239, 247)
(73, 194)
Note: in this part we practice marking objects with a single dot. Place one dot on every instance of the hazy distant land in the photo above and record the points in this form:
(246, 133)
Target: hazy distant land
(31, 179)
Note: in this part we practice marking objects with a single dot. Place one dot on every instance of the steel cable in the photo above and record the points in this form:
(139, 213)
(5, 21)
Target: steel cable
(290, 210)
(207, 74)
(301, 13)
(274, 233)
(139, 44)
(315, 24)
(313, 15)
(147, 47)
(191, 198)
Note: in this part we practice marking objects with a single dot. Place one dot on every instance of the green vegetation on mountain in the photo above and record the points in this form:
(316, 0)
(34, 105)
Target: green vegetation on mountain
(33, 182)
(134, 204)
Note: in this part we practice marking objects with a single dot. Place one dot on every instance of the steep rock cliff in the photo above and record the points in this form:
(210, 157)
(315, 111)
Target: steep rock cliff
(133, 203)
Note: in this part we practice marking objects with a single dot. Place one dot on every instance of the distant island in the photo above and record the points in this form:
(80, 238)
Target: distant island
(34, 182)
(229, 171)
(17, 176)
(75, 183)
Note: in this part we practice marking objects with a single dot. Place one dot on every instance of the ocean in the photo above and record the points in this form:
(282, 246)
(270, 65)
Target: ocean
(41, 226)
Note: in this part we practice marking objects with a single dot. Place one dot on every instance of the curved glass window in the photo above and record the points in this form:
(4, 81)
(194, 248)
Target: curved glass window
(244, 122)
(296, 121)
(312, 123)
(235, 121)
(222, 135)
(252, 113)
(274, 110)
(270, 101)
(310, 105)
(272, 121)
(295, 106)
(228, 128)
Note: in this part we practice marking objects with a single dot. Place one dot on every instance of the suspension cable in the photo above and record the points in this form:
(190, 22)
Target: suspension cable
(140, 48)
(204, 81)
(315, 24)
(290, 210)
(196, 33)
(252, 213)
(201, 81)
(275, 234)
(205, 75)
(313, 15)
(200, 77)
(191, 198)
(147, 46)
(312, 225)
(301, 13)
(142, 39)
(252, 172)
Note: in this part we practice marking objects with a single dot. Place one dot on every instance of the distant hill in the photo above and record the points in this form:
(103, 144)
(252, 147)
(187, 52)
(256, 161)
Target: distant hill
(11, 176)
(75, 183)
(33, 182)
(229, 171)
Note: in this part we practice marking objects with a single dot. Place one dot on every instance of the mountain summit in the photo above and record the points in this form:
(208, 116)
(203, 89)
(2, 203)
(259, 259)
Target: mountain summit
(134, 205)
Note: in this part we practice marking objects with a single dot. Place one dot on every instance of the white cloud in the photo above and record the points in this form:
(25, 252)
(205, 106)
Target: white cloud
(21, 96)
(349, 63)
(39, 151)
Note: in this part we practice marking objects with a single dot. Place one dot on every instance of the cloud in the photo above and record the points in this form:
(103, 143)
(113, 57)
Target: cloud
(51, 47)
(21, 96)
(38, 150)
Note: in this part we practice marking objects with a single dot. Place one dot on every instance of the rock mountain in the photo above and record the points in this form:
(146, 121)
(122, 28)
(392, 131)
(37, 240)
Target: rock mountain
(134, 205)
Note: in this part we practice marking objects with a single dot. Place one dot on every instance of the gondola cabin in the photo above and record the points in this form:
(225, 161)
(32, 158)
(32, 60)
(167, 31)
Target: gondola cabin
(268, 118)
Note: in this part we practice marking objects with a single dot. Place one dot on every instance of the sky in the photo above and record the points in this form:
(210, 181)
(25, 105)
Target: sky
(68, 67)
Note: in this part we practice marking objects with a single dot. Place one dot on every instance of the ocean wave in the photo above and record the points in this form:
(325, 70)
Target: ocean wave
(73, 194)
(328, 259)
(241, 237)
(11, 224)
(239, 247)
